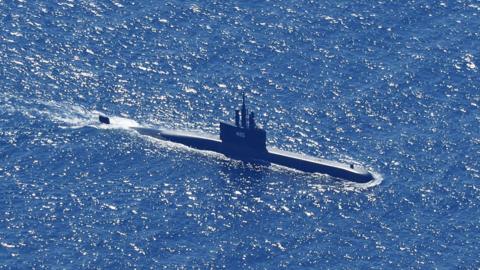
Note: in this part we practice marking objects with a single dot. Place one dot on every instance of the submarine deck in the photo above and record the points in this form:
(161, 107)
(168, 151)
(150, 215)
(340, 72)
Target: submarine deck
(284, 158)
(317, 165)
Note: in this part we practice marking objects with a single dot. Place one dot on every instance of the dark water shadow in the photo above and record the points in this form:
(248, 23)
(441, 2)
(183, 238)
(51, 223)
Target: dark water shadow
(248, 175)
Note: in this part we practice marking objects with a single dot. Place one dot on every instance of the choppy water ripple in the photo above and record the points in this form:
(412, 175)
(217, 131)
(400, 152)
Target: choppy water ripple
(393, 86)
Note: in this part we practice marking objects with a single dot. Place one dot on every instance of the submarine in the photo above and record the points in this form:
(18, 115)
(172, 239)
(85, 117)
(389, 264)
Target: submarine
(244, 140)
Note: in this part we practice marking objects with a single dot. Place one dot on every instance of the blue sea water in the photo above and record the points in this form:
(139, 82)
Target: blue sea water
(391, 85)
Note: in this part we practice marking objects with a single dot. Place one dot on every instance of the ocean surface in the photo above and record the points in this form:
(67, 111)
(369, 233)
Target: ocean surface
(390, 85)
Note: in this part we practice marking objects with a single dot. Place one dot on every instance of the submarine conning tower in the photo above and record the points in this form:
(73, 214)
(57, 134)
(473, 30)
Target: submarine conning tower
(242, 133)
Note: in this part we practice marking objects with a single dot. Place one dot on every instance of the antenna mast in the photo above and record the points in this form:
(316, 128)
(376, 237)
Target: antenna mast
(244, 111)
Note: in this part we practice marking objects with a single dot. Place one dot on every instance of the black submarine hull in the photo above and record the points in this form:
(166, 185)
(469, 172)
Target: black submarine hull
(271, 155)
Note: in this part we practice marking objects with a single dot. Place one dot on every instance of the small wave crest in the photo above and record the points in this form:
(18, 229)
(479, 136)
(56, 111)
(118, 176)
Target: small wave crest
(352, 186)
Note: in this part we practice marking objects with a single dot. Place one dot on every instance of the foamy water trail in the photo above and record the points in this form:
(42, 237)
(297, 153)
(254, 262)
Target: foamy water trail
(68, 115)
(117, 122)
(72, 116)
